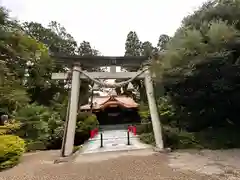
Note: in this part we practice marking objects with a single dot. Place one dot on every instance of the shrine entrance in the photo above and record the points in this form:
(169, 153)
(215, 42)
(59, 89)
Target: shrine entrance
(79, 65)
(110, 116)
(118, 115)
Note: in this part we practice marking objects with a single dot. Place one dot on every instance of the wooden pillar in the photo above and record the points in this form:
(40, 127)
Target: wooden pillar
(68, 141)
(157, 130)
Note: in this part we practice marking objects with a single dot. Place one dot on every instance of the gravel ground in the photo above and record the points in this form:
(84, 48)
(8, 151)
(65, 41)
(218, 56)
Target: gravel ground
(222, 163)
(134, 165)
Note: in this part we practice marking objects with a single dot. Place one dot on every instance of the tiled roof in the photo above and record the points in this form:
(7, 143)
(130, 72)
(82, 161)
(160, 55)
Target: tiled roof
(103, 101)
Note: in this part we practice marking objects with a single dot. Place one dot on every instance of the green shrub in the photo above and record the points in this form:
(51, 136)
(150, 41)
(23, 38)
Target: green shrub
(35, 145)
(10, 127)
(179, 139)
(3, 130)
(41, 127)
(11, 149)
(144, 115)
(219, 138)
(147, 138)
(172, 137)
(55, 131)
(167, 111)
(33, 120)
(144, 128)
(85, 123)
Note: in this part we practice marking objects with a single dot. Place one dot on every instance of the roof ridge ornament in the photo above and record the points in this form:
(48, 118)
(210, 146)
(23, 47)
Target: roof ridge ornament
(130, 86)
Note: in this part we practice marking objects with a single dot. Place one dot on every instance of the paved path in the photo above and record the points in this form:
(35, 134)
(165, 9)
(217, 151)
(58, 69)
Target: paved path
(113, 140)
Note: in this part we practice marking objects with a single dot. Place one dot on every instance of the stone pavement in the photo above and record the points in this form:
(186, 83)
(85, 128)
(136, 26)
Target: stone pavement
(113, 140)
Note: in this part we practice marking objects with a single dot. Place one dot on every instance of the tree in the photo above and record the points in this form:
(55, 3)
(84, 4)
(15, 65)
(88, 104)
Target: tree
(25, 78)
(200, 67)
(147, 49)
(162, 42)
(57, 40)
(16, 50)
(55, 37)
(85, 49)
(13, 96)
(132, 45)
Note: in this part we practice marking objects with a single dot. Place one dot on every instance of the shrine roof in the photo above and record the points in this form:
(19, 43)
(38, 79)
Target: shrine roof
(98, 61)
(101, 102)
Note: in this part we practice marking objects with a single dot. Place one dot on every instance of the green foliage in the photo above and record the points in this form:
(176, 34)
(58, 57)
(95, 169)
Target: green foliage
(199, 71)
(10, 127)
(172, 137)
(132, 45)
(12, 95)
(33, 119)
(54, 36)
(179, 139)
(85, 49)
(219, 138)
(162, 41)
(144, 127)
(144, 115)
(43, 128)
(175, 134)
(76, 148)
(167, 112)
(39, 126)
(3, 130)
(85, 123)
(35, 145)
(147, 138)
(11, 149)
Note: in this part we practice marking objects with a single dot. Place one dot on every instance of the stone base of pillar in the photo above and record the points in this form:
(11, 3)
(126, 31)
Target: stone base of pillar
(162, 150)
(66, 159)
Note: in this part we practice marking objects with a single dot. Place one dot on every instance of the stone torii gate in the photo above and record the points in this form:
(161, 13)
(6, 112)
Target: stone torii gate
(78, 63)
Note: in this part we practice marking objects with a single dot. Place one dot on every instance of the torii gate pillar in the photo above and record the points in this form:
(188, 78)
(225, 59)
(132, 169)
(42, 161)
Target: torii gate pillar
(70, 125)
(157, 130)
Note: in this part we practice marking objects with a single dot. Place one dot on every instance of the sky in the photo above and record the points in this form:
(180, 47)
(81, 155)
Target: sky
(106, 23)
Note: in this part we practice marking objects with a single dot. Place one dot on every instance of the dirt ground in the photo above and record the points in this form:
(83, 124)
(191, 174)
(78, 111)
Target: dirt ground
(132, 165)
(224, 164)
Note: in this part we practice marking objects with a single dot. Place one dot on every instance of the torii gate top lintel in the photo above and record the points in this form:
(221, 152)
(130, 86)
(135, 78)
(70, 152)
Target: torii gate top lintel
(98, 61)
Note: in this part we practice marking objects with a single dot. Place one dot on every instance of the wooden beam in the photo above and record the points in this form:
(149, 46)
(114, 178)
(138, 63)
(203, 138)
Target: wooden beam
(101, 75)
(98, 61)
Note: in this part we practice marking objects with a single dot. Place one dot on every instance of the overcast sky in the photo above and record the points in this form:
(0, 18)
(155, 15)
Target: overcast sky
(106, 23)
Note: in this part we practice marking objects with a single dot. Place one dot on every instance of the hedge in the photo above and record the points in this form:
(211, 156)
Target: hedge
(9, 127)
(11, 149)
(85, 123)
(175, 138)
(172, 137)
